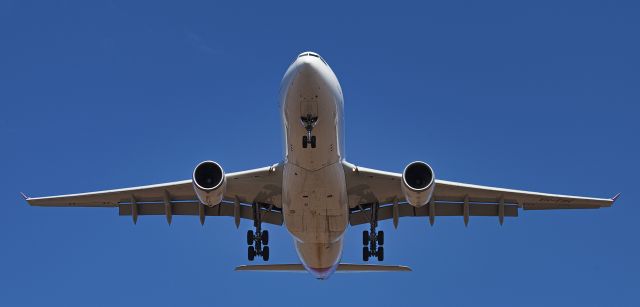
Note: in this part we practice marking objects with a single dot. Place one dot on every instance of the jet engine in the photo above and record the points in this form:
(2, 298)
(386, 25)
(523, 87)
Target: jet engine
(209, 183)
(418, 183)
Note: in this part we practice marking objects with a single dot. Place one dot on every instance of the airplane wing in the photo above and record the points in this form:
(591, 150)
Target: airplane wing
(260, 186)
(370, 189)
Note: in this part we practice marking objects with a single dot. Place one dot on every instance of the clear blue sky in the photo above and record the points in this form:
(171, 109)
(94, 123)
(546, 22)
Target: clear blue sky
(541, 96)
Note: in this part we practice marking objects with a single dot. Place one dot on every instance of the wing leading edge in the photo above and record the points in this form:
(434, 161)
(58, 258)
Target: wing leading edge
(369, 188)
(258, 189)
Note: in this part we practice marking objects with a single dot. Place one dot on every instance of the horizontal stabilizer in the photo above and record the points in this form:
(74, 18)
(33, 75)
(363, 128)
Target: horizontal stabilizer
(342, 268)
(348, 267)
(293, 267)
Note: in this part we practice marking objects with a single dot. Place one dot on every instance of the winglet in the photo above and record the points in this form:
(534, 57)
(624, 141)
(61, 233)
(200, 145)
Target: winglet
(24, 196)
(613, 199)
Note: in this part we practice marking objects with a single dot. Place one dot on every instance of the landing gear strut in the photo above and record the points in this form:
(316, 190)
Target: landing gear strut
(258, 239)
(309, 122)
(373, 240)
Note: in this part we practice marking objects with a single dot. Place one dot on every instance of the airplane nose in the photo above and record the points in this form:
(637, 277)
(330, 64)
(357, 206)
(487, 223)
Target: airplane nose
(309, 63)
(307, 73)
(307, 67)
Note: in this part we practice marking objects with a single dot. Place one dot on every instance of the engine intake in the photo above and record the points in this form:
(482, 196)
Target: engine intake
(418, 183)
(209, 182)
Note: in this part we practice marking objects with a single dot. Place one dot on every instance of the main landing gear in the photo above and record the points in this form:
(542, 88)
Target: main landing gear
(373, 240)
(309, 122)
(258, 239)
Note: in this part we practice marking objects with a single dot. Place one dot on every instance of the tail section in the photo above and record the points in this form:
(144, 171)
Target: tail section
(273, 268)
(342, 268)
(348, 267)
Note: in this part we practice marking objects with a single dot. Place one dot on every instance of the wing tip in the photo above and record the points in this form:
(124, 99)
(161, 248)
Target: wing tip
(24, 196)
(614, 198)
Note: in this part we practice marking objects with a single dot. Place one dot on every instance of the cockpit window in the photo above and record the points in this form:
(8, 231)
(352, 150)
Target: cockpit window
(313, 55)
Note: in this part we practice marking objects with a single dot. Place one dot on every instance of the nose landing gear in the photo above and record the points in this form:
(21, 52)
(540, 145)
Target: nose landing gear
(373, 240)
(309, 121)
(258, 239)
(309, 139)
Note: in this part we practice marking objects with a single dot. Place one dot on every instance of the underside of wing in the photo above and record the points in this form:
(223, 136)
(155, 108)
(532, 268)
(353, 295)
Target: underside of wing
(246, 194)
(177, 191)
(377, 195)
(457, 192)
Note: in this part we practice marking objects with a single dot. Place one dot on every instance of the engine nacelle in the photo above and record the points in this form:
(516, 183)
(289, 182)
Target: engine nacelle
(418, 183)
(209, 183)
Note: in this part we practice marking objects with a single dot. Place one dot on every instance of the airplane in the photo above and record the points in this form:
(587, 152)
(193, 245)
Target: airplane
(314, 192)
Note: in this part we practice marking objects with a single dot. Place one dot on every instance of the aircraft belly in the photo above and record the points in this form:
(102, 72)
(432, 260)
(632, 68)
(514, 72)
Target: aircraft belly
(315, 203)
(314, 198)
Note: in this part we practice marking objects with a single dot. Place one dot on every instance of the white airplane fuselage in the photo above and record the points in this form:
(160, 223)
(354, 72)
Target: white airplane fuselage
(314, 196)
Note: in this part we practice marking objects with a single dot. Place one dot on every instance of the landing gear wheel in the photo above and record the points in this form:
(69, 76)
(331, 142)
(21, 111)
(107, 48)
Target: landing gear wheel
(257, 239)
(365, 254)
(313, 141)
(250, 237)
(380, 237)
(380, 253)
(305, 141)
(251, 253)
(373, 239)
(365, 237)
